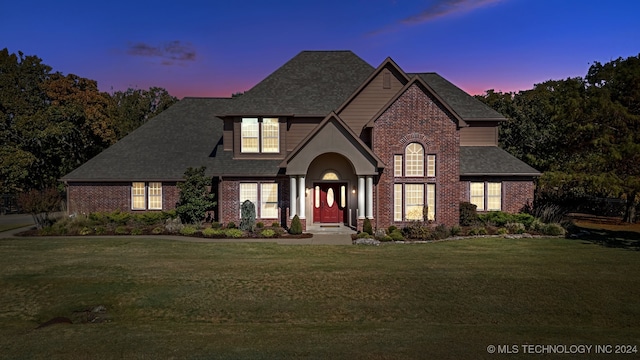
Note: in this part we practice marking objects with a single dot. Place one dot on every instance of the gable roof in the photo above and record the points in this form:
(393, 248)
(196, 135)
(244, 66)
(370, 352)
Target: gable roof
(313, 83)
(463, 104)
(492, 161)
(185, 135)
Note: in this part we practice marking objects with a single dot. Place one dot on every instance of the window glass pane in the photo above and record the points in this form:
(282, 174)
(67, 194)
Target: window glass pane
(431, 165)
(330, 175)
(397, 202)
(317, 196)
(397, 165)
(248, 191)
(413, 201)
(269, 198)
(138, 196)
(477, 195)
(270, 135)
(343, 196)
(494, 196)
(414, 160)
(431, 201)
(249, 135)
(155, 195)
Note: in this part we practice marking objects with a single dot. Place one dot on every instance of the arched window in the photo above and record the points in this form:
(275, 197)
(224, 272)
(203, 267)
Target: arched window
(414, 160)
(330, 175)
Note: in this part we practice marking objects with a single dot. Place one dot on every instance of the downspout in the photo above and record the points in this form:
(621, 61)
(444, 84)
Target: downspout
(220, 207)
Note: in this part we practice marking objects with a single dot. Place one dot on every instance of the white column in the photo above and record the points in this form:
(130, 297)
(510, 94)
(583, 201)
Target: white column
(293, 187)
(360, 197)
(369, 199)
(301, 194)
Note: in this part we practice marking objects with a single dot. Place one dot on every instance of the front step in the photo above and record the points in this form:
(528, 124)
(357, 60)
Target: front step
(329, 229)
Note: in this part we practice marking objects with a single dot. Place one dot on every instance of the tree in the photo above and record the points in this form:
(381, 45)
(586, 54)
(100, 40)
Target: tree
(40, 204)
(195, 198)
(134, 107)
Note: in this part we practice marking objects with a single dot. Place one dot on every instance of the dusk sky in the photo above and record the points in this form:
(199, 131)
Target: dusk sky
(216, 48)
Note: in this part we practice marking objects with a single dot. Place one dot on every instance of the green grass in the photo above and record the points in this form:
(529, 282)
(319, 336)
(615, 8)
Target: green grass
(252, 301)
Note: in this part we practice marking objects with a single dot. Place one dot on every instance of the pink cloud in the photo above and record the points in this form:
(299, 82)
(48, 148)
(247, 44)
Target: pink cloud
(169, 53)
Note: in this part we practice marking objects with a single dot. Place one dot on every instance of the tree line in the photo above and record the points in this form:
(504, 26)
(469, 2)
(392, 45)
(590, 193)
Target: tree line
(583, 133)
(51, 123)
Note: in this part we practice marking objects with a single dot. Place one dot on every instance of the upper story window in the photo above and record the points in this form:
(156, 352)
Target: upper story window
(414, 160)
(260, 135)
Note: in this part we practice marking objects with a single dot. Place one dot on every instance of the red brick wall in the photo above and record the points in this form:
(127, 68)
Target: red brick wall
(417, 117)
(515, 193)
(229, 199)
(90, 197)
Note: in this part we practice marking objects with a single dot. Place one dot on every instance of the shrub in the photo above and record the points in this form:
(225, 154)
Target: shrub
(195, 200)
(364, 235)
(536, 225)
(268, 233)
(188, 230)
(234, 233)
(441, 232)
(525, 219)
(100, 230)
(478, 231)
(260, 225)
(248, 212)
(515, 227)
(216, 225)
(456, 230)
(502, 231)
(136, 231)
(391, 229)
(275, 224)
(396, 235)
(468, 214)
(118, 217)
(151, 218)
(121, 230)
(416, 231)
(85, 231)
(157, 231)
(211, 232)
(366, 226)
(231, 225)
(296, 226)
(40, 204)
(553, 229)
(386, 238)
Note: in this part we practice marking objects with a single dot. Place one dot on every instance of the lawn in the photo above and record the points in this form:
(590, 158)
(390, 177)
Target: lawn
(446, 300)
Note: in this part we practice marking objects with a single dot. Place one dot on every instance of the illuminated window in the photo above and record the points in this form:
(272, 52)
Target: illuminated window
(431, 201)
(269, 200)
(397, 202)
(477, 195)
(330, 175)
(431, 165)
(494, 196)
(155, 195)
(146, 196)
(413, 201)
(249, 135)
(270, 135)
(260, 135)
(138, 196)
(397, 165)
(414, 160)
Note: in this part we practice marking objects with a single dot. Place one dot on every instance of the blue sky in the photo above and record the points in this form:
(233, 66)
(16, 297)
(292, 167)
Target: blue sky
(215, 48)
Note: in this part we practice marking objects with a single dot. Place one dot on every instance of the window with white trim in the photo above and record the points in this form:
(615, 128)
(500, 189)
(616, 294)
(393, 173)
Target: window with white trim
(397, 165)
(431, 165)
(414, 160)
(486, 195)
(260, 135)
(264, 196)
(409, 202)
(146, 196)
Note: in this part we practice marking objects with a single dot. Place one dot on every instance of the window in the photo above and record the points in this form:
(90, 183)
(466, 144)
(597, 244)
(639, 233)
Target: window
(146, 196)
(270, 135)
(397, 165)
(413, 198)
(493, 199)
(260, 135)
(269, 203)
(138, 196)
(266, 200)
(414, 160)
(249, 135)
(155, 196)
(431, 165)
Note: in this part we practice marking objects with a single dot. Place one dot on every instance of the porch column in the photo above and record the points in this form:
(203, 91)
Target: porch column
(303, 200)
(293, 187)
(360, 197)
(369, 199)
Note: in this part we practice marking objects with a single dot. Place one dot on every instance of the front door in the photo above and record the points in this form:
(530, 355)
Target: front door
(327, 203)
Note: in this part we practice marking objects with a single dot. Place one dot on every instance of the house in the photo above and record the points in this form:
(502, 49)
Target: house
(327, 137)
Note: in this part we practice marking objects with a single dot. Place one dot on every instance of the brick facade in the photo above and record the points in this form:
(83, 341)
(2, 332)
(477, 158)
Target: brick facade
(515, 193)
(228, 198)
(417, 117)
(87, 197)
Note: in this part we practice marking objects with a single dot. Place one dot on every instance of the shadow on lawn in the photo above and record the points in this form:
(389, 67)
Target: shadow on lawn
(610, 238)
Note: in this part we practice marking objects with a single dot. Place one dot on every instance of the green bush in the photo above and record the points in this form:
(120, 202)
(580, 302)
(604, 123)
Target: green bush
(396, 235)
(231, 225)
(118, 217)
(195, 198)
(440, 232)
(391, 229)
(296, 226)
(259, 225)
(157, 230)
(468, 214)
(275, 224)
(515, 228)
(100, 230)
(121, 230)
(416, 231)
(136, 231)
(456, 230)
(478, 231)
(536, 226)
(386, 238)
(364, 235)
(553, 229)
(366, 226)
(211, 232)
(85, 231)
(501, 218)
(188, 230)
(267, 233)
(216, 225)
(234, 233)
(151, 218)
(248, 212)
(502, 231)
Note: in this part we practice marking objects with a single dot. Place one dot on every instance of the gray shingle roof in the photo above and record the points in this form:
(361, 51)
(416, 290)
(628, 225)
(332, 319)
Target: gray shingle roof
(185, 135)
(312, 83)
(492, 160)
(465, 105)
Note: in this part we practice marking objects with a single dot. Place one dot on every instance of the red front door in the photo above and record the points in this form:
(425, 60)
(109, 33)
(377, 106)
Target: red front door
(326, 203)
